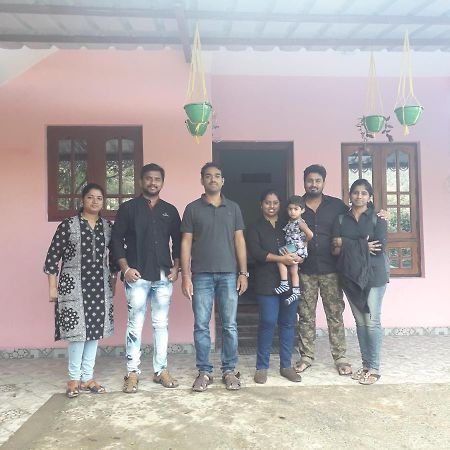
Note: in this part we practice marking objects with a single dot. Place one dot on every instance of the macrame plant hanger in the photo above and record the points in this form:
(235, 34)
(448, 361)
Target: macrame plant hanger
(407, 107)
(198, 113)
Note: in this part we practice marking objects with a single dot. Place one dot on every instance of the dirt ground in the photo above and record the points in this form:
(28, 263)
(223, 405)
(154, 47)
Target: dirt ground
(414, 416)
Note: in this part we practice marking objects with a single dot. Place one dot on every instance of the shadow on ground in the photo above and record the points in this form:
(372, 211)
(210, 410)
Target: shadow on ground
(380, 416)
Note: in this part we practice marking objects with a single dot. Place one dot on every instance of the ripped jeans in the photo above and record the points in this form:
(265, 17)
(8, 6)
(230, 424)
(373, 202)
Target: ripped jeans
(138, 294)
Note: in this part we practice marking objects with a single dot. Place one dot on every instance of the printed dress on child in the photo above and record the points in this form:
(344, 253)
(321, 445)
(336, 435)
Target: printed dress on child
(84, 310)
(294, 235)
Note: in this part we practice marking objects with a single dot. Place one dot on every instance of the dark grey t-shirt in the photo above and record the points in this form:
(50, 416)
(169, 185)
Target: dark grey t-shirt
(213, 231)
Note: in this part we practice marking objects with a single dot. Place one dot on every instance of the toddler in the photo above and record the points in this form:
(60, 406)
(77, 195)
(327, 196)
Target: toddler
(297, 235)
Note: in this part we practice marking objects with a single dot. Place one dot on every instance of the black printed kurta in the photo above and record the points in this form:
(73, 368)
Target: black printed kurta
(84, 310)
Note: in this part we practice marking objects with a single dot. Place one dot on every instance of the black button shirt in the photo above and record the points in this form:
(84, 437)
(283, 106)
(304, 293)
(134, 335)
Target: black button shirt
(320, 260)
(142, 235)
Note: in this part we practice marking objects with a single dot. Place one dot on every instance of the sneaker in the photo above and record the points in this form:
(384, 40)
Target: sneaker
(130, 383)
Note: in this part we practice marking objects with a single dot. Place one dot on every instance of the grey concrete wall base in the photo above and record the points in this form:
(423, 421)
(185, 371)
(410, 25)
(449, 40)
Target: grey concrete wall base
(119, 350)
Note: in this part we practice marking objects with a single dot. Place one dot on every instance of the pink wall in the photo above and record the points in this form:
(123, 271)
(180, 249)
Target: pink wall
(317, 114)
(148, 88)
(91, 88)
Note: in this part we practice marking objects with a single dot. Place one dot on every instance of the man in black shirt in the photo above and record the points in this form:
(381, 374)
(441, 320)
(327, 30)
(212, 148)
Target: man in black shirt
(141, 239)
(318, 273)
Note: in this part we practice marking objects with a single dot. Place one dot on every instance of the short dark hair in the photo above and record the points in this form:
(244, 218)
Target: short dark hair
(315, 168)
(267, 192)
(153, 167)
(362, 182)
(207, 166)
(297, 200)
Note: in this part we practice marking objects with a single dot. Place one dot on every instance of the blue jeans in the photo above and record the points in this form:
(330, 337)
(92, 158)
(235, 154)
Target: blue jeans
(369, 330)
(273, 311)
(222, 287)
(82, 359)
(138, 294)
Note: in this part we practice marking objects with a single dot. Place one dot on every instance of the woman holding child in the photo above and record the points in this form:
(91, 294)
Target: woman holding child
(264, 240)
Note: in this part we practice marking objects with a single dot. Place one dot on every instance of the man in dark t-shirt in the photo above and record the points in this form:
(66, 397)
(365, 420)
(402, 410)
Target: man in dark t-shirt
(214, 266)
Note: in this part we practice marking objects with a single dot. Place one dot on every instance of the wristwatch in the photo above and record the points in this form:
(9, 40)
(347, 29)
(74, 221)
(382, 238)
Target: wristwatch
(245, 274)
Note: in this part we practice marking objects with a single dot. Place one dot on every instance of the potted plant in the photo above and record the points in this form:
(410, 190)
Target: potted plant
(369, 126)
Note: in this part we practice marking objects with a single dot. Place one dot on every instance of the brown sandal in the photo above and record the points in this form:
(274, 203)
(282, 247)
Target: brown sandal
(231, 380)
(165, 379)
(203, 380)
(72, 390)
(92, 386)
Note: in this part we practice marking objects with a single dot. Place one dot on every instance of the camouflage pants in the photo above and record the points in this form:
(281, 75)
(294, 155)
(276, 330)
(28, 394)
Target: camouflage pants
(333, 305)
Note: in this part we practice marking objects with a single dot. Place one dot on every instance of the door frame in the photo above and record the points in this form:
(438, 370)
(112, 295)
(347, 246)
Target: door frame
(286, 147)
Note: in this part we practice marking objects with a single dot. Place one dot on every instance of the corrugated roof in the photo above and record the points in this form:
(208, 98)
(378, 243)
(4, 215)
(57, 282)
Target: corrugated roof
(231, 24)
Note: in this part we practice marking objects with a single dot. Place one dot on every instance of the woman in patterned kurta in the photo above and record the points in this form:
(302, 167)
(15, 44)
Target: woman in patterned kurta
(83, 309)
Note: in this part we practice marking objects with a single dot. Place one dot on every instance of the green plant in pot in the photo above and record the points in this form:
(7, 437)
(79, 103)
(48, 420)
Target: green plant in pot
(369, 126)
(372, 123)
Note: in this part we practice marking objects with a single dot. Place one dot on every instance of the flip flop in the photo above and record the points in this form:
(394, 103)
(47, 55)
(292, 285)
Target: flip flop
(72, 390)
(341, 369)
(93, 387)
(301, 366)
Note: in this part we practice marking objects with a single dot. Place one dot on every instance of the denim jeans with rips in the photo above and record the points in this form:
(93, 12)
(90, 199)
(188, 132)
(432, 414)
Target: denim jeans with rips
(221, 287)
(139, 294)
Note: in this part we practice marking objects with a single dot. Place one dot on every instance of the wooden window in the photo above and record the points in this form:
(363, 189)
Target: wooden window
(392, 169)
(109, 156)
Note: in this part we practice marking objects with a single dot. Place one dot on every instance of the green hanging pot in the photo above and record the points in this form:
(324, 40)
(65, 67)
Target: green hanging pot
(196, 129)
(198, 112)
(374, 124)
(408, 115)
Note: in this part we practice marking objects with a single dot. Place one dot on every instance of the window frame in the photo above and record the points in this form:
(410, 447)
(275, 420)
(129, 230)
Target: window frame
(96, 138)
(379, 153)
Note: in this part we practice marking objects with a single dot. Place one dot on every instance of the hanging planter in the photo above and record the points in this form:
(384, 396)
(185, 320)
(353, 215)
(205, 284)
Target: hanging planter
(408, 115)
(407, 107)
(374, 122)
(198, 112)
(197, 128)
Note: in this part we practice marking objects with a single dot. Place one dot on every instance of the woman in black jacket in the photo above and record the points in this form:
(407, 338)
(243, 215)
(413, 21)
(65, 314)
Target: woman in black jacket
(359, 240)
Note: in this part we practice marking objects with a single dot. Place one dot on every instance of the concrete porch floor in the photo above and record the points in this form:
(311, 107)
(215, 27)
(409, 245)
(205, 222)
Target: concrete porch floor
(408, 408)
